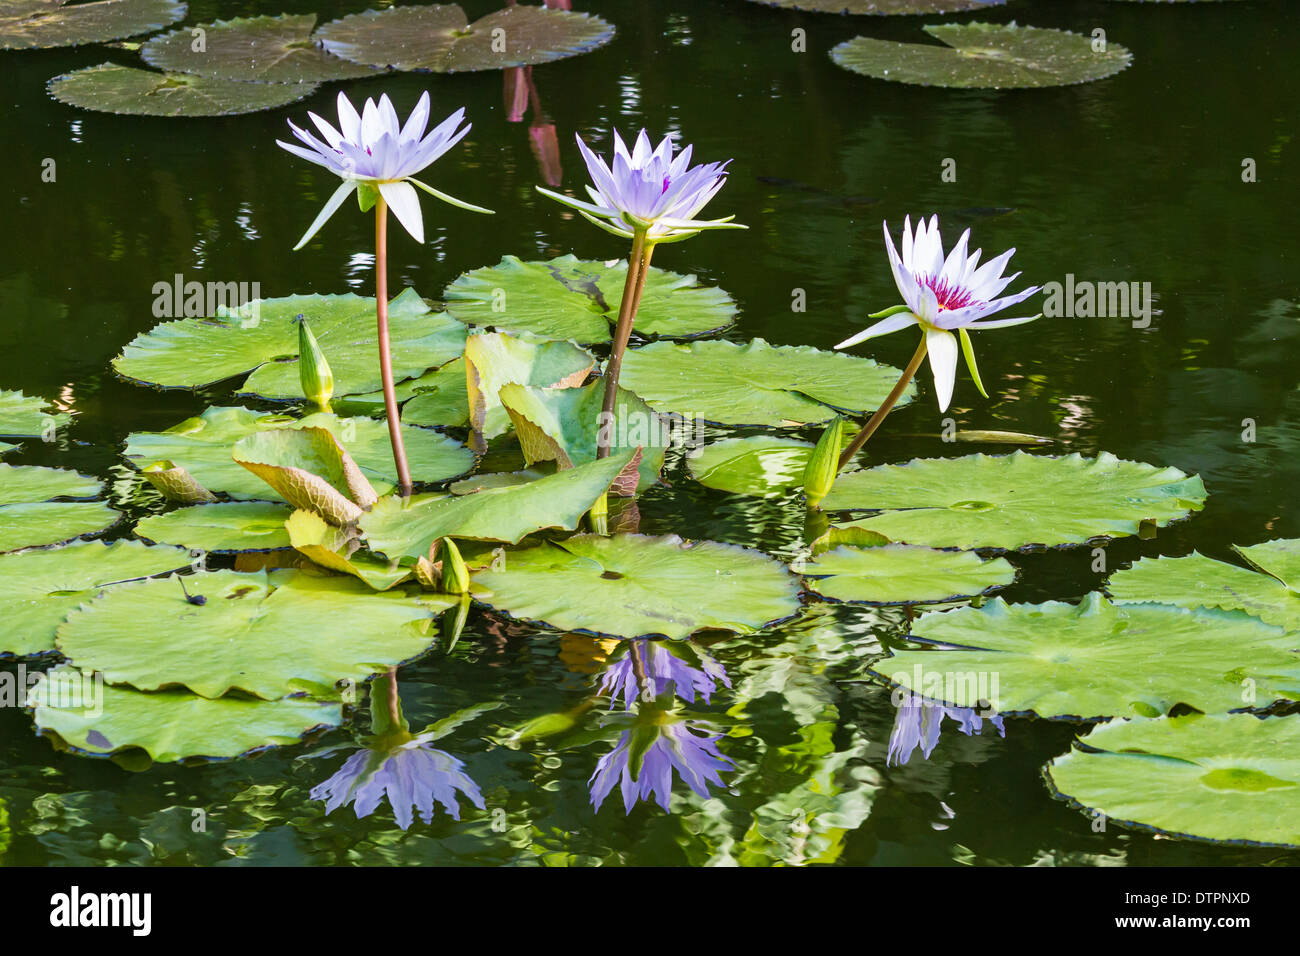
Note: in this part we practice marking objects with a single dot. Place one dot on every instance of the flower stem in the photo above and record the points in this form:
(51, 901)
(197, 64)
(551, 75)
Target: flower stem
(385, 357)
(886, 406)
(638, 264)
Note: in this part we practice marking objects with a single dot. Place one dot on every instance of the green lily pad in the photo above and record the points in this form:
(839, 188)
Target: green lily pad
(335, 549)
(259, 49)
(562, 425)
(170, 725)
(38, 588)
(440, 398)
(633, 585)
(262, 337)
(1228, 778)
(882, 7)
(266, 635)
(985, 56)
(309, 469)
(569, 298)
(1098, 659)
(41, 24)
(26, 416)
(28, 516)
(441, 39)
(494, 359)
(110, 88)
(904, 574)
(1012, 501)
(761, 466)
(220, 528)
(203, 446)
(501, 513)
(755, 383)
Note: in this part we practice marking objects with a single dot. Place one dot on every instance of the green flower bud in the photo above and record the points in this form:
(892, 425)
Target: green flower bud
(823, 465)
(313, 370)
(455, 575)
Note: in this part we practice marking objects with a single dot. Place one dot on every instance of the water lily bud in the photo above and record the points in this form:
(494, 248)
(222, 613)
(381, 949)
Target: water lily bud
(823, 465)
(176, 483)
(455, 575)
(599, 515)
(313, 371)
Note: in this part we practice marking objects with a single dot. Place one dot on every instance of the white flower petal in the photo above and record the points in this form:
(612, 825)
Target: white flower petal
(891, 324)
(349, 121)
(331, 207)
(405, 203)
(942, 347)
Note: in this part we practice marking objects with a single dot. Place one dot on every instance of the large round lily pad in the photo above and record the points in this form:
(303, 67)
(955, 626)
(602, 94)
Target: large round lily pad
(38, 588)
(110, 88)
(570, 298)
(203, 446)
(439, 38)
(262, 336)
(1011, 501)
(40, 24)
(266, 635)
(227, 526)
(763, 466)
(1098, 659)
(104, 720)
(755, 383)
(633, 585)
(30, 518)
(882, 7)
(904, 574)
(28, 416)
(260, 49)
(1229, 778)
(985, 56)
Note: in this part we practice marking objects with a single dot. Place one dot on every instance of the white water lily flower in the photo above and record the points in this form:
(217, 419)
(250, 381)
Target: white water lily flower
(373, 149)
(945, 295)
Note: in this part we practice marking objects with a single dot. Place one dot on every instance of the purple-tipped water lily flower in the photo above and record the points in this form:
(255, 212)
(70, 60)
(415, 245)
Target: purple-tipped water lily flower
(918, 722)
(665, 745)
(664, 666)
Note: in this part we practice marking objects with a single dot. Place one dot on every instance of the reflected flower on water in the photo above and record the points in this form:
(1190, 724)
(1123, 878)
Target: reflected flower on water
(917, 724)
(650, 751)
(679, 668)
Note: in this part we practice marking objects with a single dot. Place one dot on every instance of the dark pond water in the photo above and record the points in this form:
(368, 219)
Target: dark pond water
(1135, 178)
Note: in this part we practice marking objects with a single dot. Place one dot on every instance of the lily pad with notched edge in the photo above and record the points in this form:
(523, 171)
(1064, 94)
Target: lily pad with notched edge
(38, 588)
(225, 527)
(1097, 659)
(41, 24)
(1012, 501)
(29, 517)
(494, 359)
(1228, 778)
(755, 383)
(904, 574)
(110, 88)
(26, 416)
(882, 7)
(440, 39)
(267, 635)
(633, 585)
(252, 49)
(985, 56)
(569, 298)
(169, 725)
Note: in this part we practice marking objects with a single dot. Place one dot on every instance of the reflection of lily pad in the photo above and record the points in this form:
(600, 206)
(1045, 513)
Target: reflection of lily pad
(262, 49)
(985, 56)
(26, 416)
(568, 298)
(170, 725)
(755, 383)
(1230, 778)
(1010, 501)
(223, 527)
(882, 7)
(38, 588)
(262, 337)
(109, 88)
(761, 465)
(1098, 660)
(495, 359)
(267, 635)
(441, 39)
(904, 574)
(632, 585)
(28, 516)
(40, 24)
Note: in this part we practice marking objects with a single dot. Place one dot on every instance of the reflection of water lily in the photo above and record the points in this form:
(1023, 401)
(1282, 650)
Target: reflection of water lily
(918, 721)
(647, 755)
(666, 667)
(412, 774)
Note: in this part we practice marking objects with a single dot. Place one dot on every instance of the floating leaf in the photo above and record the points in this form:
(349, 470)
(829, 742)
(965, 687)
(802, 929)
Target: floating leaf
(501, 513)
(440, 397)
(985, 56)
(169, 725)
(262, 337)
(26, 416)
(1098, 660)
(755, 383)
(38, 588)
(217, 528)
(266, 635)
(259, 49)
(41, 24)
(495, 359)
(882, 7)
(569, 298)
(633, 585)
(176, 484)
(110, 88)
(308, 468)
(440, 39)
(28, 516)
(761, 466)
(904, 574)
(1011, 501)
(1229, 778)
(336, 549)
